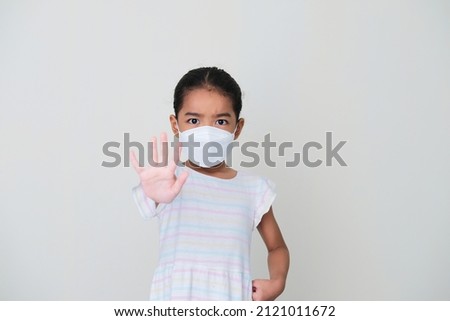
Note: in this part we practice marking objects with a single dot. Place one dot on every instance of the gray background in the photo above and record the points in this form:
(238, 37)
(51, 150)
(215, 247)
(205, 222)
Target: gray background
(77, 74)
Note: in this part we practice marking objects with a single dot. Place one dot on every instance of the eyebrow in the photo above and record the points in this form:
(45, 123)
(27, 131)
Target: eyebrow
(192, 114)
(223, 115)
(198, 115)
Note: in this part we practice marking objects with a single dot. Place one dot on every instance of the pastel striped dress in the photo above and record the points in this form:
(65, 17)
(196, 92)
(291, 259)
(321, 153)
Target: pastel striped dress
(205, 236)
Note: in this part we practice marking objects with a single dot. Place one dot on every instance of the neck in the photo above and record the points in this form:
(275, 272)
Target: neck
(214, 169)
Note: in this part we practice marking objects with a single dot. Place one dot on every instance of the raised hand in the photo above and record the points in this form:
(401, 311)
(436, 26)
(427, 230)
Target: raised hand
(159, 182)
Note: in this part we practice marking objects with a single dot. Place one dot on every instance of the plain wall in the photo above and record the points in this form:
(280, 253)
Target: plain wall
(77, 74)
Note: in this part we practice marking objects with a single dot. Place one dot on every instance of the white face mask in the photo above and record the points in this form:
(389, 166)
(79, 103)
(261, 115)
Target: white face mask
(213, 145)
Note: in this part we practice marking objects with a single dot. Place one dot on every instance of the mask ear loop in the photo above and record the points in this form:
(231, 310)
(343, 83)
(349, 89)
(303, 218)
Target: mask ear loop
(179, 152)
(235, 129)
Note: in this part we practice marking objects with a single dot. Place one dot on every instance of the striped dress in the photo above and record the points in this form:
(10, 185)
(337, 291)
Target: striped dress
(205, 236)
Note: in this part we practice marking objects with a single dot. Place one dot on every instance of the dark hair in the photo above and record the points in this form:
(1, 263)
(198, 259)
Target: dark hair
(211, 78)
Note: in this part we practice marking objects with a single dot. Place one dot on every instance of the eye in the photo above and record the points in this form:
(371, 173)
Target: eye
(222, 122)
(193, 121)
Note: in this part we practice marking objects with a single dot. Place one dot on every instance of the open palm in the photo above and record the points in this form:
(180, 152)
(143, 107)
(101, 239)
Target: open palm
(159, 182)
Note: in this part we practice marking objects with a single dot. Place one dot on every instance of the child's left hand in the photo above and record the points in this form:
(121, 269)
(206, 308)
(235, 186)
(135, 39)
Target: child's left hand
(266, 290)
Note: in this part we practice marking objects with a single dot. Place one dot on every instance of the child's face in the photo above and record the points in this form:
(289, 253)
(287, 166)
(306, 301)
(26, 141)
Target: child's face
(203, 107)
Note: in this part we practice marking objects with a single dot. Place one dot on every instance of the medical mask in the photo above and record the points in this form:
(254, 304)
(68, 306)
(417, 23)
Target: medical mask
(205, 146)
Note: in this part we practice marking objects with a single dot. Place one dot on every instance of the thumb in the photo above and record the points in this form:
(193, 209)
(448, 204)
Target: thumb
(256, 291)
(257, 295)
(181, 179)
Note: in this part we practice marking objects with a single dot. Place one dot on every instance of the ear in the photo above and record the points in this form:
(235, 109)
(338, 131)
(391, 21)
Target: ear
(239, 126)
(173, 125)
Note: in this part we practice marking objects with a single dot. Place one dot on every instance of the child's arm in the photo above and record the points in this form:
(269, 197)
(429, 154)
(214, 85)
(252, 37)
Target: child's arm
(278, 260)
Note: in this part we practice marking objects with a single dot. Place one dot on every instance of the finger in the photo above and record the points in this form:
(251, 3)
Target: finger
(181, 179)
(171, 167)
(256, 296)
(164, 148)
(135, 163)
(256, 293)
(154, 150)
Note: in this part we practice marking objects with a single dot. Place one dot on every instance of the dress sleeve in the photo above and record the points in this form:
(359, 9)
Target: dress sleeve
(264, 199)
(146, 206)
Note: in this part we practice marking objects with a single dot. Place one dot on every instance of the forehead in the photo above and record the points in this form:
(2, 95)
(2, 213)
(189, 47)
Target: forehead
(206, 102)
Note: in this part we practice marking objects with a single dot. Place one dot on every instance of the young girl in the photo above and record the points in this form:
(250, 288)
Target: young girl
(207, 210)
